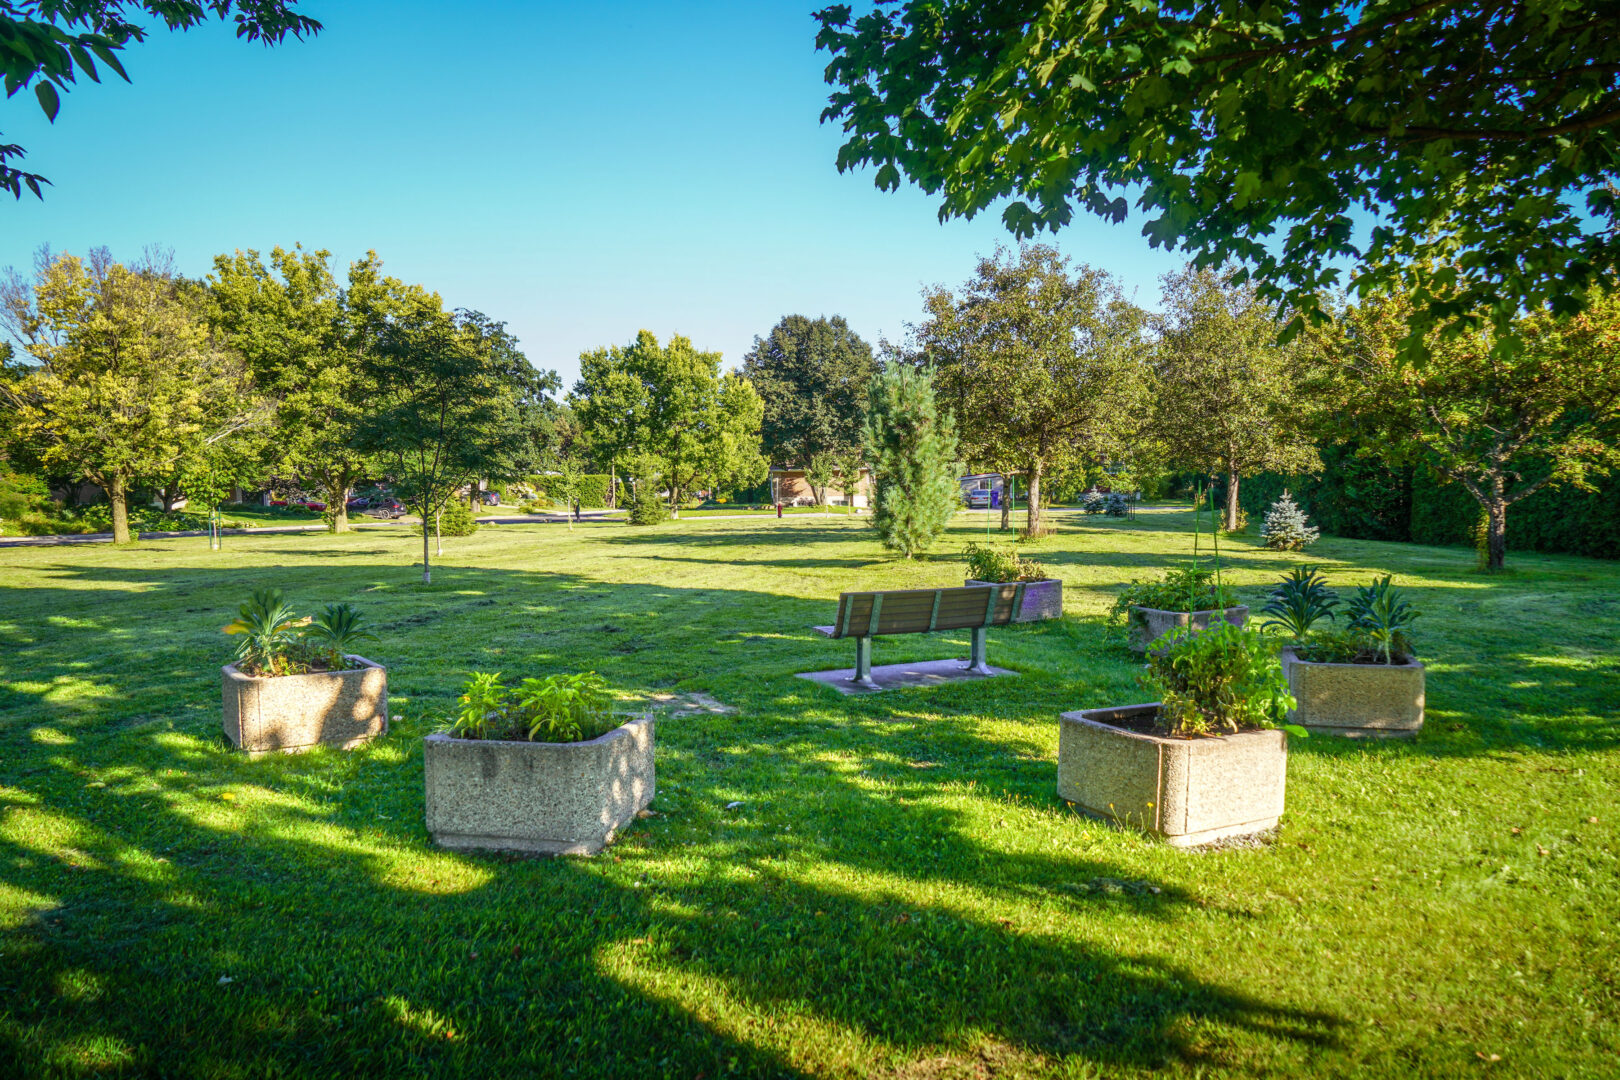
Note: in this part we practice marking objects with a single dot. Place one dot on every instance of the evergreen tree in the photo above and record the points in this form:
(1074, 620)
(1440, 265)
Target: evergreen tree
(911, 447)
(1286, 527)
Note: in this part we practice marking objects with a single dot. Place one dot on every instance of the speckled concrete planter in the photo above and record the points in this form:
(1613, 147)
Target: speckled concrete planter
(1189, 791)
(549, 798)
(1378, 701)
(1042, 599)
(1147, 625)
(295, 712)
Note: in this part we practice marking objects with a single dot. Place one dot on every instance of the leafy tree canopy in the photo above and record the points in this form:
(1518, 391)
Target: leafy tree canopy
(1044, 368)
(47, 44)
(1503, 425)
(1228, 398)
(812, 375)
(1483, 137)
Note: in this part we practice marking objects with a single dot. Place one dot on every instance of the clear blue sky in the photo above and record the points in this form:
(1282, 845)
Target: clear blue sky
(580, 171)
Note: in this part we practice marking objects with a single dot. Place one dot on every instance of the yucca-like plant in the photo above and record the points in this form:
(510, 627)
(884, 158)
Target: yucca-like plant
(336, 632)
(1385, 617)
(269, 630)
(1299, 601)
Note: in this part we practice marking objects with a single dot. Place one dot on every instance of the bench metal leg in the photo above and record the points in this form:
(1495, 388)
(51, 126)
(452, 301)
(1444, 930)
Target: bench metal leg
(976, 662)
(863, 663)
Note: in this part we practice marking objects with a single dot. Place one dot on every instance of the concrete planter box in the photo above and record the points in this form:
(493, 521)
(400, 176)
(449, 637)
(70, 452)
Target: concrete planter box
(550, 798)
(1359, 700)
(1189, 791)
(294, 712)
(1147, 625)
(1042, 599)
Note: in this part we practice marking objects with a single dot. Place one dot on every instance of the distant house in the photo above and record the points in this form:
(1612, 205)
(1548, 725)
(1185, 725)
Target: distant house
(790, 487)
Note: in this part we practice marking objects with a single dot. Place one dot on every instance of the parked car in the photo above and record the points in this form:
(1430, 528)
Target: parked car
(386, 508)
(357, 504)
(978, 499)
(314, 504)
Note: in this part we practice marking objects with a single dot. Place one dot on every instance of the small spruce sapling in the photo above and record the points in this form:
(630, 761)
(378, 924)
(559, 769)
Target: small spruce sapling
(1286, 527)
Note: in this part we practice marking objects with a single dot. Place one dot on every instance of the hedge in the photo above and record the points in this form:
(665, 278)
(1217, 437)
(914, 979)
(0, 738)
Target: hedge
(593, 488)
(1365, 499)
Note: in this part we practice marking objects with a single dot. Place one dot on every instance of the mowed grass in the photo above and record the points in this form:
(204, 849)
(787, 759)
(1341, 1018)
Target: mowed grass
(899, 893)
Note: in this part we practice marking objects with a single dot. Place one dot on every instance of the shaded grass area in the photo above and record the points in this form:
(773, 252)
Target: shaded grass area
(900, 893)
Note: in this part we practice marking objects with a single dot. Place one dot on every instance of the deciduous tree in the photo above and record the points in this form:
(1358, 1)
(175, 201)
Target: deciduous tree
(1292, 137)
(1503, 423)
(812, 375)
(128, 379)
(1227, 397)
(447, 410)
(1042, 368)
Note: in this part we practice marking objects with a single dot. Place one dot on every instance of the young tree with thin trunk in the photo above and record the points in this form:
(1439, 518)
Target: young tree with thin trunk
(1042, 367)
(1228, 399)
(849, 478)
(447, 410)
(127, 379)
(1504, 422)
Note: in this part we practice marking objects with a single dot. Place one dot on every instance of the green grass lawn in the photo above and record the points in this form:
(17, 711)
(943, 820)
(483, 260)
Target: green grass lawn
(900, 892)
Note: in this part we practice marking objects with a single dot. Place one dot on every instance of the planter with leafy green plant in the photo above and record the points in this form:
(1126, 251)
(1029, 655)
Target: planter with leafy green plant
(1187, 597)
(993, 565)
(297, 682)
(546, 766)
(1206, 762)
(1360, 679)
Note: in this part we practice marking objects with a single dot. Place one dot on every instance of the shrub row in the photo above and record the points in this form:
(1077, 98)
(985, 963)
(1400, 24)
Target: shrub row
(1365, 499)
(593, 488)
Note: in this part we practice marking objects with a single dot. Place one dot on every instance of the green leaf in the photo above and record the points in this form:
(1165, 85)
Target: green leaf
(48, 100)
(1296, 731)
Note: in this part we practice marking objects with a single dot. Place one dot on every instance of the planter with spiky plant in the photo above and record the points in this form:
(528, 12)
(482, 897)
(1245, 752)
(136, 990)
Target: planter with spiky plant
(297, 683)
(1361, 680)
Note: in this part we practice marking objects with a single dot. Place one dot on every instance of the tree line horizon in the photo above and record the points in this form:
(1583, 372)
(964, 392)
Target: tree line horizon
(275, 372)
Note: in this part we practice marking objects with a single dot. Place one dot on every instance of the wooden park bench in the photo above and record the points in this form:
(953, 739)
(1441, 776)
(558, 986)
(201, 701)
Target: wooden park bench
(865, 615)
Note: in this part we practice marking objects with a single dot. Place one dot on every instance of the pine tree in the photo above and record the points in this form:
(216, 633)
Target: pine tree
(1286, 527)
(911, 448)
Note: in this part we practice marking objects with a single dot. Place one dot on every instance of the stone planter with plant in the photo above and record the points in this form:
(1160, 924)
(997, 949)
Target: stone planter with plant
(297, 682)
(544, 767)
(1206, 762)
(992, 565)
(1188, 597)
(1361, 680)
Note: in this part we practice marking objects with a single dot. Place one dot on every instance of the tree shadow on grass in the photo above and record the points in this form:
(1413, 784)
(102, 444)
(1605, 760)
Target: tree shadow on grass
(178, 909)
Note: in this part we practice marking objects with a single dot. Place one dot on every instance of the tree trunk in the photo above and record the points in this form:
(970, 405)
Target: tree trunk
(427, 567)
(337, 501)
(1496, 507)
(170, 495)
(438, 537)
(1033, 525)
(1006, 503)
(613, 487)
(1231, 500)
(120, 509)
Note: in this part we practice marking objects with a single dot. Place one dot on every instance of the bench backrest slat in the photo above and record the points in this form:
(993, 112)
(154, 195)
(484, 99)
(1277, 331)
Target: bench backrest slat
(916, 611)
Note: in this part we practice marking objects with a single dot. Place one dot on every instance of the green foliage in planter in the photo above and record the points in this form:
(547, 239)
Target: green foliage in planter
(1224, 679)
(989, 562)
(557, 708)
(275, 641)
(1300, 601)
(1184, 588)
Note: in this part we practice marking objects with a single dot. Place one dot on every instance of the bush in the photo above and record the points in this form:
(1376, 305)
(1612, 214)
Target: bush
(275, 641)
(593, 489)
(1093, 502)
(455, 519)
(1286, 528)
(1224, 679)
(1001, 564)
(647, 507)
(1187, 588)
(1117, 505)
